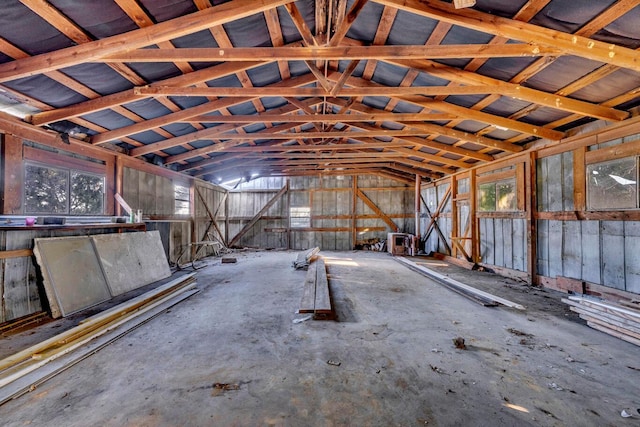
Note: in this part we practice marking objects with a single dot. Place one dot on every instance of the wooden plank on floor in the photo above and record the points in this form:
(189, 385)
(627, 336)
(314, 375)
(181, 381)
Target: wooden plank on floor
(614, 333)
(307, 303)
(323, 301)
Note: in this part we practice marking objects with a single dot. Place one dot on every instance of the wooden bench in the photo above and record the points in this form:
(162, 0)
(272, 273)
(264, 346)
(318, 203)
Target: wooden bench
(315, 296)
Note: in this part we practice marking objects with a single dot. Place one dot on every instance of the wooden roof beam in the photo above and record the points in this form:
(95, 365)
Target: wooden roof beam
(569, 43)
(147, 91)
(469, 114)
(294, 53)
(135, 39)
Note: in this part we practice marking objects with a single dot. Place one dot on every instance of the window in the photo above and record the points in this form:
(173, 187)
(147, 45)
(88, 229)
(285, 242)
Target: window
(56, 190)
(300, 217)
(498, 196)
(613, 184)
(181, 195)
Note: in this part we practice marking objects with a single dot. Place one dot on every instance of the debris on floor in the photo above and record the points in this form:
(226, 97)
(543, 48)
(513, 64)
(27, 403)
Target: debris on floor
(219, 388)
(302, 319)
(334, 362)
(229, 260)
(459, 343)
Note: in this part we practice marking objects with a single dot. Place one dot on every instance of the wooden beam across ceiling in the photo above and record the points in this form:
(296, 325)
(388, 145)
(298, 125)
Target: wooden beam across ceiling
(331, 53)
(570, 44)
(317, 91)
(163, 31)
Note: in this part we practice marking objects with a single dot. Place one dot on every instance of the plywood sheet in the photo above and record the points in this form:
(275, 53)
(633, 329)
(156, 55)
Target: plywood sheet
(131, 260)
(72, 276)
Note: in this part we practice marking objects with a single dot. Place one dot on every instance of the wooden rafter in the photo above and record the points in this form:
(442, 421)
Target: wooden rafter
(516, 30)
(330, 53)
(135, 39)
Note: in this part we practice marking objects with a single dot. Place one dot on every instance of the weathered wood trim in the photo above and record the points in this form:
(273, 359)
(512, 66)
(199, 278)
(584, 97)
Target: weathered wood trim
(579, 179)
(62, 161)
(12, 174)
(496, 176)
(501, 215)
(626, 149)
(630, 215)
(367, 201)
(16, 253)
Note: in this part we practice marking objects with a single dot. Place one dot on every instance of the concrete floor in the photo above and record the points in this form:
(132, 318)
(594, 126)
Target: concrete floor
(232, 356)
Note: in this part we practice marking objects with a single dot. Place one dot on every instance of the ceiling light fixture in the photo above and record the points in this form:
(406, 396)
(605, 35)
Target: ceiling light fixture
(459, 4)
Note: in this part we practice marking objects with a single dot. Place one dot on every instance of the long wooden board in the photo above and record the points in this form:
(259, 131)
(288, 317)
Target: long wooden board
(323, 299)
(307, 304)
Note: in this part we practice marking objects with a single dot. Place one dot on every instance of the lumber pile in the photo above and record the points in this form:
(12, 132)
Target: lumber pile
(315, 294)
(23, 371)
(304, 258)
(476, 295)
(614, 319)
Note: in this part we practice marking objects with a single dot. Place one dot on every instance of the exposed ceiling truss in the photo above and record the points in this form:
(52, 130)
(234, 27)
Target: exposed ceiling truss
(280, 87)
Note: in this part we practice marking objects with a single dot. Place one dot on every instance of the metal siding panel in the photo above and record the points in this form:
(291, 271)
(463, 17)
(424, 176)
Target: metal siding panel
(489, 256)
(632, 256)
(519, 243)
(554, 182)
(498, 243)
(507, 238)
(572, 250)
(541, 185)
(555, 248)
(542, 246)
(590, 236)
(567, 181)
(613, 254)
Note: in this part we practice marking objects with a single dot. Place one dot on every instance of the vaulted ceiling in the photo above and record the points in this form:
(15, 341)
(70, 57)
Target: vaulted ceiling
(222, 89)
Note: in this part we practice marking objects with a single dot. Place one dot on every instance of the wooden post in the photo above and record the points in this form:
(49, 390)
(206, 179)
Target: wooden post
(288, 207)
(531, 207)
(354, 211)
(119, 178)
(12, 177)
(475, 223)
(417, 203)
(454, 215)
(579, 180)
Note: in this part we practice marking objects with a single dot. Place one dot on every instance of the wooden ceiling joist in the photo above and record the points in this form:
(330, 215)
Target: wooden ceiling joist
(163, 31)
(330, 53)
(570, 44)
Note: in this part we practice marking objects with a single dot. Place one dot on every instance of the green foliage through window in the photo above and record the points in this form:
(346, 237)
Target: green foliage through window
(53, 190)
(497, 196)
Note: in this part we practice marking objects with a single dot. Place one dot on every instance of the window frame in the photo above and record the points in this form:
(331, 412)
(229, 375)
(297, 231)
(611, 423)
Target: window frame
(589, 188)
(307, 216)
(56, 165)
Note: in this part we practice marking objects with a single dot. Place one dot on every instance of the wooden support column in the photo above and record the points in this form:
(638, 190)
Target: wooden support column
(417, 203)
(288, 215)
(531, 208)
(119, 178)
(475, 223)
(12, 175)
(579, 179)
(454, 215)
(354, 211)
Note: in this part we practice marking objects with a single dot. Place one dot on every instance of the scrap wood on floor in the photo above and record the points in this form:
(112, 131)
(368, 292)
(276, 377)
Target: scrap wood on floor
(618, 320)
(476, 295)
(315, 295)
(304, 258)
(26, 369)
